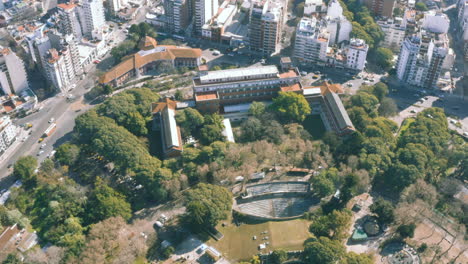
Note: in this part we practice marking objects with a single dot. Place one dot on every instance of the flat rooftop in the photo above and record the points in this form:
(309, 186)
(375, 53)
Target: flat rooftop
(237, 74)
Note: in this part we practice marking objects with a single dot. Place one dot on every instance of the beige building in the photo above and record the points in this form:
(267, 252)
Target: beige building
(382, 8)
(266, 24)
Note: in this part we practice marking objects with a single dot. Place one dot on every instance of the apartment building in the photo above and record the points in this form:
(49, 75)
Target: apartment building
(114, 6)
(314, 8)
(214, 30)
(13, 76)
(68, 20)
(266, 23)
(92, 16)
(337, 24)
(462, 21)
(395, 31)
(177, 15)
(7, 133)
(311, 40)
(420, 62)
(383, 8)
(148, 58)
(356, 54)
(216, 89)
(203, 11)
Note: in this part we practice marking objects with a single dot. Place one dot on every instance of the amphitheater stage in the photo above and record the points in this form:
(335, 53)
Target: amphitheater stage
(276, 201)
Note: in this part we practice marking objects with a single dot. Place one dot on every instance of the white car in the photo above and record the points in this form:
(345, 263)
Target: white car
(40, 152)
(43, 145)
(51, 120)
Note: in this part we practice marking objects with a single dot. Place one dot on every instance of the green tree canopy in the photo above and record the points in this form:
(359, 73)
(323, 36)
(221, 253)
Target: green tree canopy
(383, 57)
(421, 6)
(208, 204)
(333, 225)
(67, 154)
(387, 107)
(384, 210)
(104, 202)
(24, 168)
(257, 109)
(291, 106)
(323, 251)
(406, 231)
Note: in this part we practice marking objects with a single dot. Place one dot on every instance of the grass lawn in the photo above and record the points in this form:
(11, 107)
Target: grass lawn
(238, 244)
(314, 125)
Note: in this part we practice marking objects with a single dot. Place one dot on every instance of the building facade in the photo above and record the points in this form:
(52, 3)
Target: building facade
(311, 40)
(383, 8)
(265, 27)
(13, 76)
(177, 15)
(7, 133)
(203, 11)
(215, 89)
(68, 20)
(92, 16)
(165, 122)
(420, 64)
(356, 54)
(150, 56)
(337, 25)
(395, 32)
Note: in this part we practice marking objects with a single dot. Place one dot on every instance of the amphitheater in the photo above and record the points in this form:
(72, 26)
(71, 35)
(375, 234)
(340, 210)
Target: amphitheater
(275, 200)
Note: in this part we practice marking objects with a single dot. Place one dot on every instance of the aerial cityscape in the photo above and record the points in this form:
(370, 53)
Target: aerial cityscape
(234, 131)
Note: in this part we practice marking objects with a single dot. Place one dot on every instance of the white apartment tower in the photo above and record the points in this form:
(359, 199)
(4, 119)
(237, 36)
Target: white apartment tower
(311, 41)
(13, 77)
(266, 23)
(7, 133)
(115, 5)
(68, 20)
(204, 10)
(91, 16)
(338, 26)
(395, 31)
(420, 65)
(59, 69)
(356, 54)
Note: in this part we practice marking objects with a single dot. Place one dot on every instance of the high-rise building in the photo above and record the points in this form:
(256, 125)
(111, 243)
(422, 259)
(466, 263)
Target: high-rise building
(13, 77)
(356, 54)
(68, 20)
(204, 10)
(395, 32)
(266, 23)
(420, 62)
(114, 6)
(337, 25)
(59, 69)
(177, 15)
(91, 16)
(382, 8)
(7, 133)
(311, 40)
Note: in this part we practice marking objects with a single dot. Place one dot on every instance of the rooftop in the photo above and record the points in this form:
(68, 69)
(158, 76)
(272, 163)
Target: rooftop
(233, 74)
(206, 97)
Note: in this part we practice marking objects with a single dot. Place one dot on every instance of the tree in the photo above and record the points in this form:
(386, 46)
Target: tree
(216, 68)
(113, 241)
(420, 190)
(387, 107)
(406, 230)
(190, 121)
(207, 204)
(421, 6)
(210, 134)
(354, 258)
(67, 154)
(365, 100)
(105, 202)
(252, 129)
(12, 259)
(257, 109)
(322, 186)
(278, 256)
(323, 251)
(291, 106)
(123, 49)
(299, 9)
(380, 90)
(24, 168)
(333, 225)
(383, 57)
(384, 211)
(179, 96)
